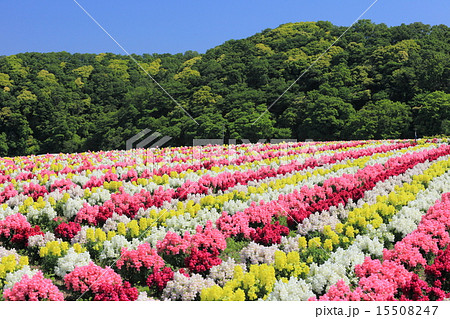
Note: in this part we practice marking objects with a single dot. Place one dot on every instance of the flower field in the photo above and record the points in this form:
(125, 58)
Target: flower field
(357, 220)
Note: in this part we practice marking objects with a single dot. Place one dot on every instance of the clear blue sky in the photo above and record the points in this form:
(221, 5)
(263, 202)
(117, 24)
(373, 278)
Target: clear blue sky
(173, 26)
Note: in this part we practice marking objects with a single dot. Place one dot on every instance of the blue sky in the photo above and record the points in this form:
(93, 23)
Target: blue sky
(173, 26)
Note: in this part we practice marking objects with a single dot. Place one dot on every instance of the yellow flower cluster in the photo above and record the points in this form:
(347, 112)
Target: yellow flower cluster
(289, 265)
(43, 179)
(112, 186)
(54, 249)
(29, 202)
(134, 228)
(96, 238)
(78, 248)
(160, 180)
(255, 284)
(9, 264)
(66, 196)
(57, 167)
(217, 201)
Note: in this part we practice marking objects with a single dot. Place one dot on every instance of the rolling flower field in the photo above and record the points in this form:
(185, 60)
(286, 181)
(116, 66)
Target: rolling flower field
(356, 220)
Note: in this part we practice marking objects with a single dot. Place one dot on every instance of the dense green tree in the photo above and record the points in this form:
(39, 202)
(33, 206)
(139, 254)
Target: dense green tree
(323, 117)
(433, 113)
(383, 119)
(375, 82)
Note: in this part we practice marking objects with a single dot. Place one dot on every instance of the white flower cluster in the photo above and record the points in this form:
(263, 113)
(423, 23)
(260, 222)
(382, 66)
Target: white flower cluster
(185, 222)
(186, 288)
(294, 290)
(7, 211)
(156, 234)
(316, 221)
(41, 240)
(143, 297)
(100, 196)
(224, 272)
(112, 248)
(72, 207)
(57, 195)
(339, 266)
(14, 277)
(34, 215)
(111, 223)
(289, 244)
(72, 259)
(80, 179)
(80, 237)
(75, 192)
(17, 200)
(131, 189)
(258, 254)
(233, 206)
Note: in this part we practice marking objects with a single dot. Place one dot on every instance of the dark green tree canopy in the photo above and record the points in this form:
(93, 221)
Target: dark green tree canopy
(375, 82)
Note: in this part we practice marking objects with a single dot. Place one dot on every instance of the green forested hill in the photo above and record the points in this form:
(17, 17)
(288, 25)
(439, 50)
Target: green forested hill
(377, 82)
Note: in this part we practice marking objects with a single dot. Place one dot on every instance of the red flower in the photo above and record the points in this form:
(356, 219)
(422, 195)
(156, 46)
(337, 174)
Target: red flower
(159, 278)
(67, 231)
(201, 261)
(116, 292)
(270, 234)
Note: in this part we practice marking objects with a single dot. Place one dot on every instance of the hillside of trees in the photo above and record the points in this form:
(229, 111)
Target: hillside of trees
(377, 82)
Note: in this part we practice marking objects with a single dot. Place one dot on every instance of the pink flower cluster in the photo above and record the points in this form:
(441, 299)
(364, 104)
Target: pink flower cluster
(17, 229)
(62, 185)
(8, 192)
(209, 239)
(199, 251)
(143, 257)
(87, 214)
(91, 278)
(34, 190)
(123, 203)
(174, 244)
(35, 288)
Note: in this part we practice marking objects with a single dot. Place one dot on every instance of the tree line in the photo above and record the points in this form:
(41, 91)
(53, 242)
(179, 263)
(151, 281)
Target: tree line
(376, 82)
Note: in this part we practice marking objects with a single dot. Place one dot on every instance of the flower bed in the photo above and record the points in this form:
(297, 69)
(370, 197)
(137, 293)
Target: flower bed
(293, 221)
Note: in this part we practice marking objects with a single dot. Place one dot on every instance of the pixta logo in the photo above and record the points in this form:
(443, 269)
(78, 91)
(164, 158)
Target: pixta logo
(147, 142)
